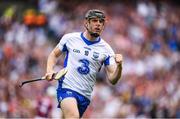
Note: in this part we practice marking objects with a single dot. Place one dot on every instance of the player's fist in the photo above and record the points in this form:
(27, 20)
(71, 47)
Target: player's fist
(49, 76)
(118, 58)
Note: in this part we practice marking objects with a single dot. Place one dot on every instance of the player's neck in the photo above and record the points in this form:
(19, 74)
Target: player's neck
(89, 37)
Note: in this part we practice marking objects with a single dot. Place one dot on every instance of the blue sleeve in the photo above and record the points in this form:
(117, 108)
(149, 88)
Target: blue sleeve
(106, 61)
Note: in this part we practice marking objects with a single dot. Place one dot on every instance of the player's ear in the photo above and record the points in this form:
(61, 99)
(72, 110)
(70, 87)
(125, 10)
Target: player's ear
(85, 23)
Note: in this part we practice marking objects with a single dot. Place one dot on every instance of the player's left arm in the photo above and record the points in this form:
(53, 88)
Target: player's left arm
(114, 71)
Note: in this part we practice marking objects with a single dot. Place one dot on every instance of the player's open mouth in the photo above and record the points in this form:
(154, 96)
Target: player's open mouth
(97, 29)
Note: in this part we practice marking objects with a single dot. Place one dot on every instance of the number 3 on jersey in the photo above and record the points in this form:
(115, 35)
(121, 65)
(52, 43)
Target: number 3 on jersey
(84, 68)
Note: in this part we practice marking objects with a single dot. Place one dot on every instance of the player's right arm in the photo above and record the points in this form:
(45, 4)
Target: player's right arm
(51, 62)
(53, 56)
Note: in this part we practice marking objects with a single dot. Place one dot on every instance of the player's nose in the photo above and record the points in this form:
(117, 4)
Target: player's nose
(98, 22)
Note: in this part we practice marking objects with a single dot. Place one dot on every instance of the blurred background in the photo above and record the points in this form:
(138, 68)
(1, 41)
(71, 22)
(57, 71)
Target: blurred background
(146, 32)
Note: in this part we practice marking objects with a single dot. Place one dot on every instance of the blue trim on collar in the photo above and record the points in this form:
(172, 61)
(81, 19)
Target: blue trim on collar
(88, 42)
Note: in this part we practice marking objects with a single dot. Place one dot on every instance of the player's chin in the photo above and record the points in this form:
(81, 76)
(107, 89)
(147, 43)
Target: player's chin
(98, 32)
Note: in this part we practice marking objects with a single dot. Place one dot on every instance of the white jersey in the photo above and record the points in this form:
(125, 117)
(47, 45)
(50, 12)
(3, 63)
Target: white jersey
(83, 60)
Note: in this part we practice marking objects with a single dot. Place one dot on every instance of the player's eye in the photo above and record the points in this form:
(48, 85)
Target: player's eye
(94, 20)
(101, 21)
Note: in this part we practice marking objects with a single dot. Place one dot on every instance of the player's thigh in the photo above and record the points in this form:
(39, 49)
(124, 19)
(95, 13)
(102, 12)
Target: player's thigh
(69, 107)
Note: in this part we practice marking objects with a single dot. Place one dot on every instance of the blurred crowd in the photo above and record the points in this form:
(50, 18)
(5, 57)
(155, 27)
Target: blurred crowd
(146, 33)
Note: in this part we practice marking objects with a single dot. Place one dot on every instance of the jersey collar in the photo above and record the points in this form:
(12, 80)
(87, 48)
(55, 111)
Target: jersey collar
(88, 42)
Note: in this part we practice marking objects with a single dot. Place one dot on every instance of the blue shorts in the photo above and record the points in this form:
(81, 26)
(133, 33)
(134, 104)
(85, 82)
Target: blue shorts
(82, 101)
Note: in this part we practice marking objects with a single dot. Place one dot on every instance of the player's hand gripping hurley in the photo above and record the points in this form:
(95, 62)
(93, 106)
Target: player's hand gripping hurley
(56, 76)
